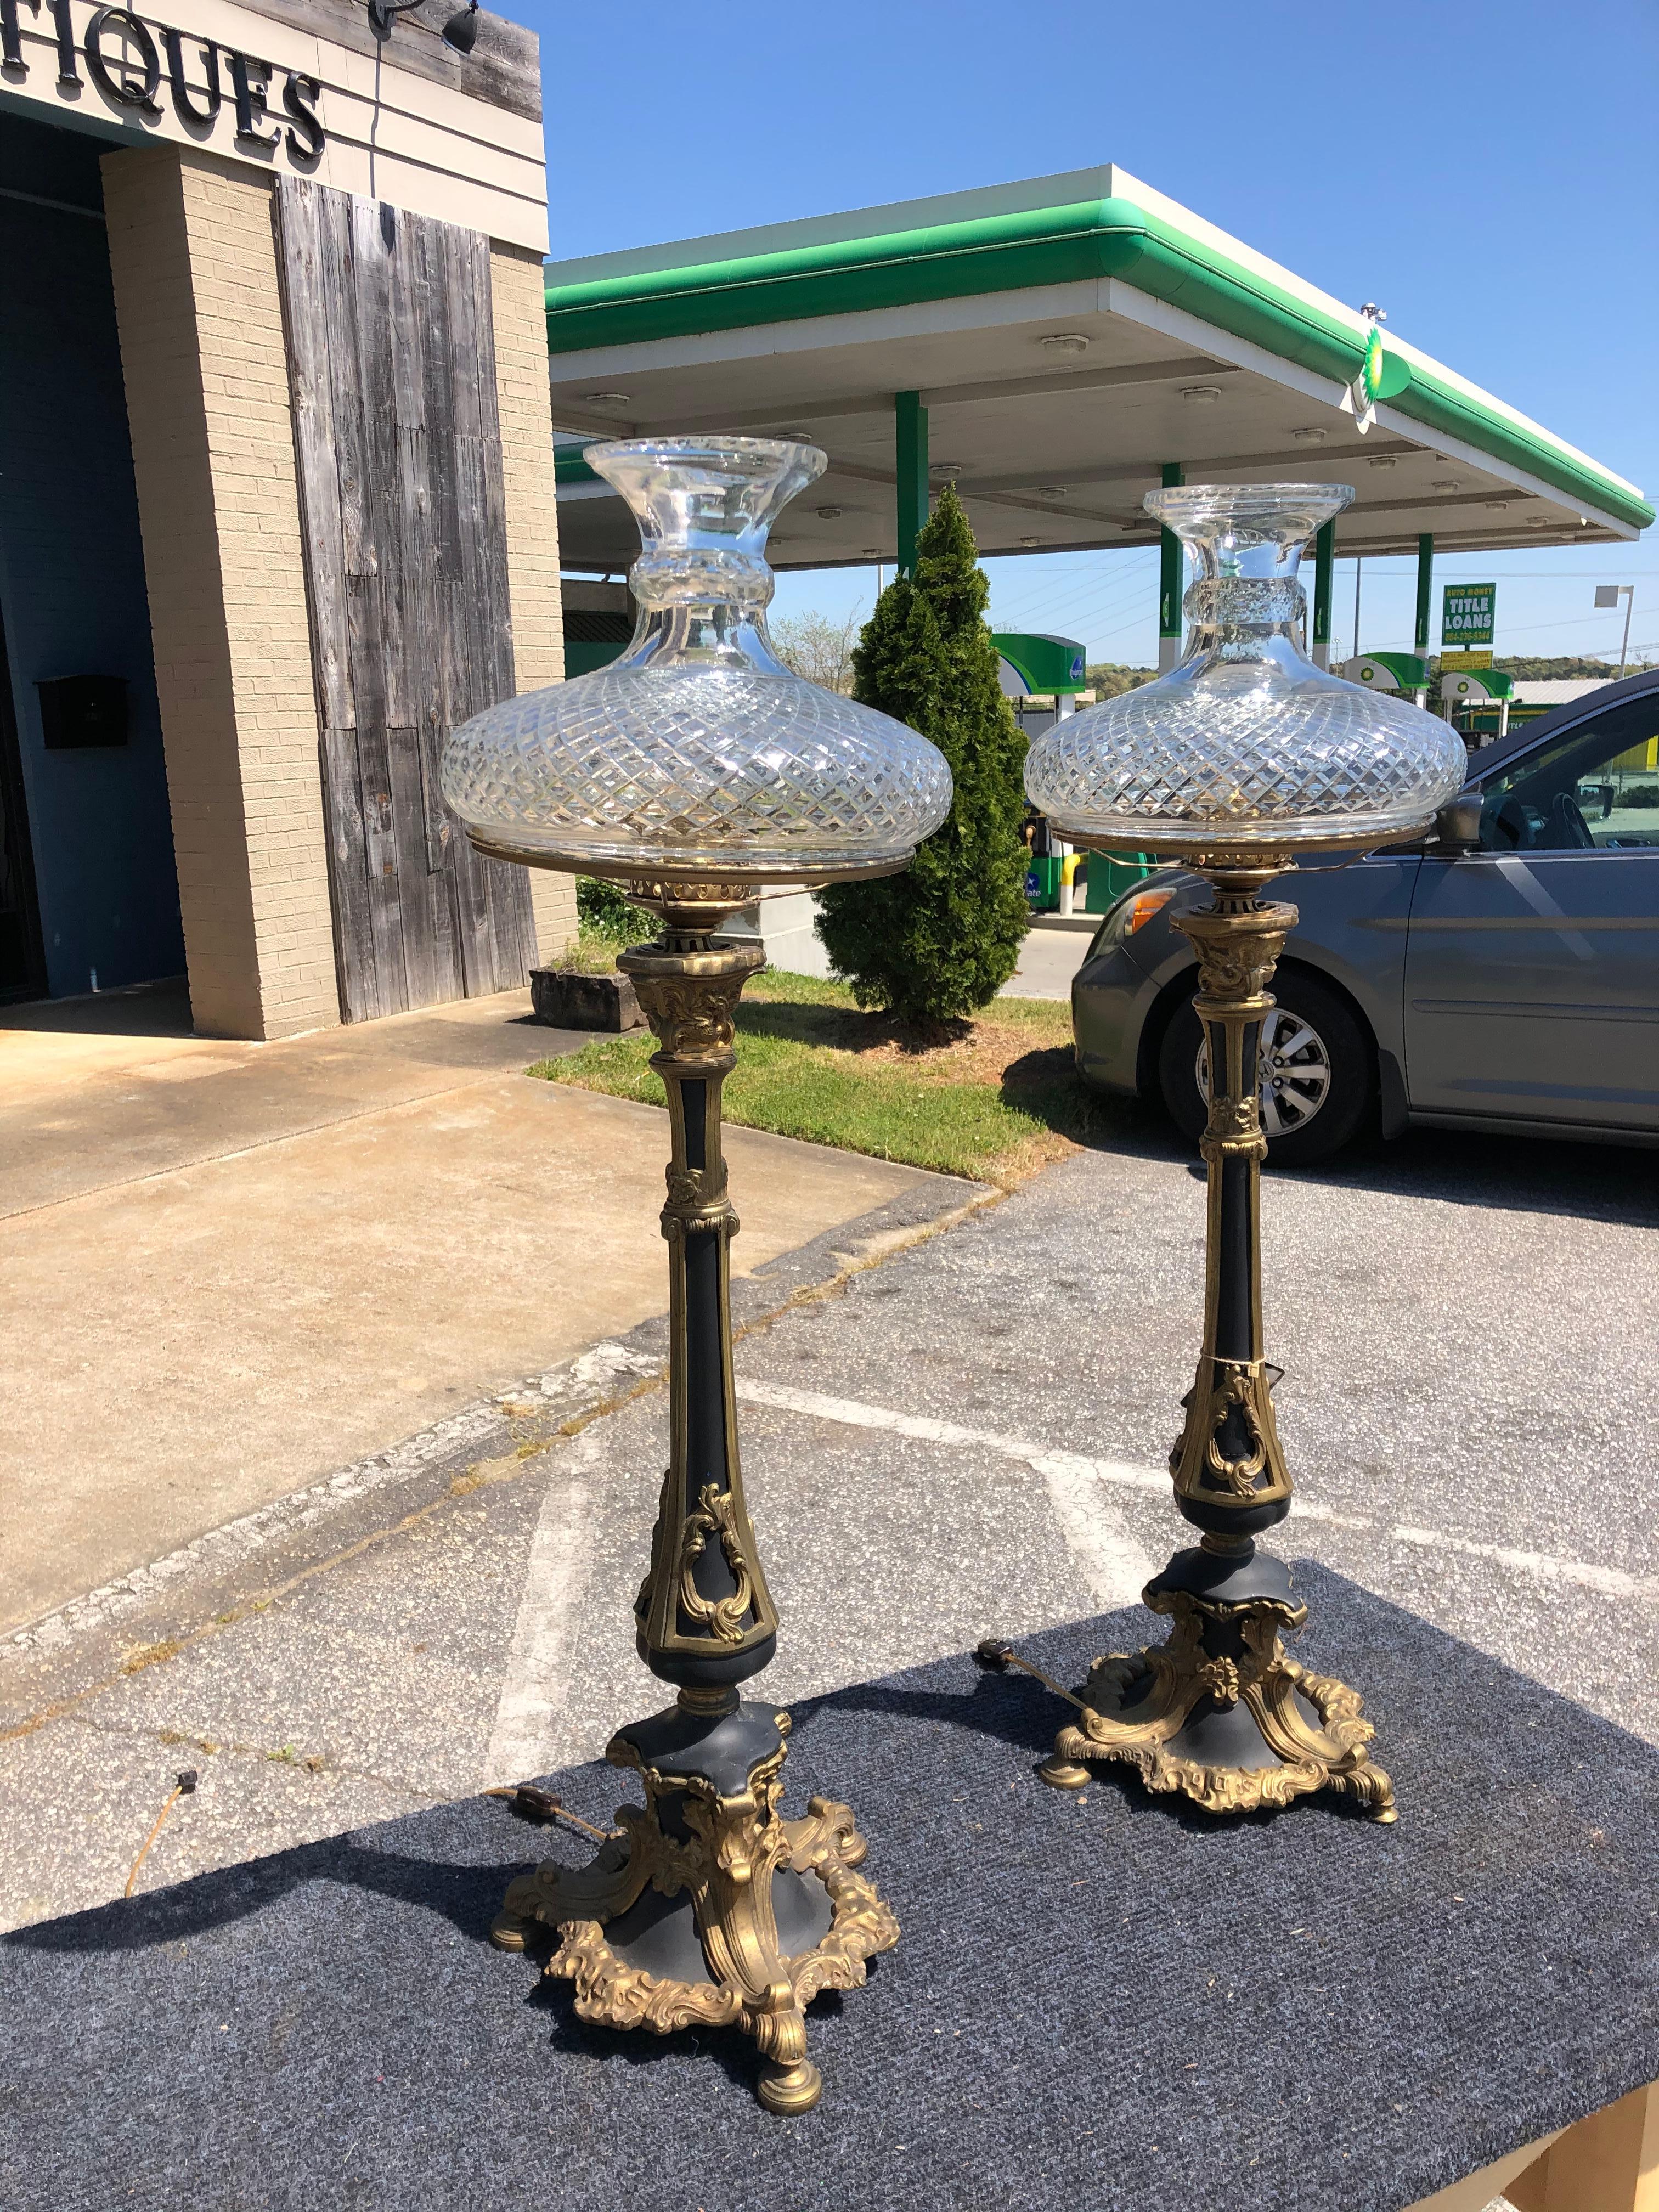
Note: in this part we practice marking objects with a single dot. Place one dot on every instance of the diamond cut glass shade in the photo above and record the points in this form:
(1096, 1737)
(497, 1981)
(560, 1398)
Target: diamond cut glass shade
(698, 753)
(1246, 747)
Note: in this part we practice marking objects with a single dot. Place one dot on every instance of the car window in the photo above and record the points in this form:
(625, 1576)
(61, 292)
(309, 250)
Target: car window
(1596, 787)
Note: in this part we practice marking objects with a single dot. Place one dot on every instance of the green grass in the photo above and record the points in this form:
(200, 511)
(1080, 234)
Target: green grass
(993, 1099)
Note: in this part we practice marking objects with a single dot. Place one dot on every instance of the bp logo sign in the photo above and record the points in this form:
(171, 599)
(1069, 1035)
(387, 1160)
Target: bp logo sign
(1467, 614)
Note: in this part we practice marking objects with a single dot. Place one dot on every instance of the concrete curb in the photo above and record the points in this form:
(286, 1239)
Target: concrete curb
(229, 1572)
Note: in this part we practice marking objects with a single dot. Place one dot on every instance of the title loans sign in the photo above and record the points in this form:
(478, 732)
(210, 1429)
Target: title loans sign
(1465, 614)
(128, 57)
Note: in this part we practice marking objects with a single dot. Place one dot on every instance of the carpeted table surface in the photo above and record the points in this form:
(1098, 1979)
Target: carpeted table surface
(1116, 2004)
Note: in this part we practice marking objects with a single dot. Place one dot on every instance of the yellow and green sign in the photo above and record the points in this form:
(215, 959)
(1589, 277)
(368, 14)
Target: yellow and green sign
(1466, 613)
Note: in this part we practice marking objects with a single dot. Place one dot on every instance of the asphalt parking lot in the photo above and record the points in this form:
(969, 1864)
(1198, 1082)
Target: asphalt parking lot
(965, 1437)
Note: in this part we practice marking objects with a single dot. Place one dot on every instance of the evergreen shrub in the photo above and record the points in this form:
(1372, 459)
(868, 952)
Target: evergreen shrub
(938, 942)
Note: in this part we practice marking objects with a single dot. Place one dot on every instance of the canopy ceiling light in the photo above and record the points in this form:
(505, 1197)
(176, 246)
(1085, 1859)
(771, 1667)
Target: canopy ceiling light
(1064, 342)
(1200, 395)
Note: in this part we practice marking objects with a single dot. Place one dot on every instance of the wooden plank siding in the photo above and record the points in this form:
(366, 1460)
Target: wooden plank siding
(392, 366)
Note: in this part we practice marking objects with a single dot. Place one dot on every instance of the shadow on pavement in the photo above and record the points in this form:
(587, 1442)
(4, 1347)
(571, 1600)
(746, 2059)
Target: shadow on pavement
(1589, 1181)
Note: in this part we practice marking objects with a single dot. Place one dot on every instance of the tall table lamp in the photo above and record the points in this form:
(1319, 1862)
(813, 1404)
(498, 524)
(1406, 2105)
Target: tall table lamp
(1242, 759)
(694, 771)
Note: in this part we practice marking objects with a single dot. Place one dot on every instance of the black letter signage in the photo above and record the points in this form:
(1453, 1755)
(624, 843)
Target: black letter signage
(124, 62)
(182, 107)
(300, 96)
(249, 82)
(11, 36)
(119, 82)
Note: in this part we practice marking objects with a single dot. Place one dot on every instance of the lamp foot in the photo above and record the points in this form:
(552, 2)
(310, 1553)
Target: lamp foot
(1063, 1773)
(1221, 1715)
(711, 1909)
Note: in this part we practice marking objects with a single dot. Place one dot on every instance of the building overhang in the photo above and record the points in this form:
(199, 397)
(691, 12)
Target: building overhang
(1069, 337)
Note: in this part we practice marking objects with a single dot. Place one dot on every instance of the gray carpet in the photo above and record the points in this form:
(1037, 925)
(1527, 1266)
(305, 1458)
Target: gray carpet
(1118, 2004)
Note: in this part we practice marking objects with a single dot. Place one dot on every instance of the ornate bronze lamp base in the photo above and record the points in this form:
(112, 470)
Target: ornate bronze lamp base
(1219, 1712)
(711, 1910)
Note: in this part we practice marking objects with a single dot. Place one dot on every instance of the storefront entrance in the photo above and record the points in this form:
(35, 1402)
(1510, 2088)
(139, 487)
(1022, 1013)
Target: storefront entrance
(88, 888)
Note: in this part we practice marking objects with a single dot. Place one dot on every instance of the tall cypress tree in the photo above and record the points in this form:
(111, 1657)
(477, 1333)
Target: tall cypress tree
(940, 940)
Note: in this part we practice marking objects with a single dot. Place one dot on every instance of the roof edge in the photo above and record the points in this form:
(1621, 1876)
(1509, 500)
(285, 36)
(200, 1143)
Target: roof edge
(1086, 239)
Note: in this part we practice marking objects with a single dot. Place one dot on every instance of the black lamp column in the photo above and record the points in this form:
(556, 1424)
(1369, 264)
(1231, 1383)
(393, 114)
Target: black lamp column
(1219, 1712)
(705, 1910)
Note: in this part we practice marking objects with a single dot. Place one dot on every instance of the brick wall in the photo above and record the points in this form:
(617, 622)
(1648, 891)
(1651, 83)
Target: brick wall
(204, 363)
(532, 526)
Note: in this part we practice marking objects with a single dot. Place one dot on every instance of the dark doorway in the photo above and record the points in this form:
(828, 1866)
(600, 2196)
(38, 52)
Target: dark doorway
(22, 968)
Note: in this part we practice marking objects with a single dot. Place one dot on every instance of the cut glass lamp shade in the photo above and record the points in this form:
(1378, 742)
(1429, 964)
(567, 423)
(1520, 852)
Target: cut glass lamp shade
(697, 756)
(1245, 748)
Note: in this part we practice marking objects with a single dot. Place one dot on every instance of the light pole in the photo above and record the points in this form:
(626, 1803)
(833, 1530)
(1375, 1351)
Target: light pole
(1609, 595)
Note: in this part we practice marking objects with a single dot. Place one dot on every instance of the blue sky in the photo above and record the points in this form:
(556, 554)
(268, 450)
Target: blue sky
(1485, 171)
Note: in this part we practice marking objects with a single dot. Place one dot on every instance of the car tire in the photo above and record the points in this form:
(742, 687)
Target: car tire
(1345, 1095)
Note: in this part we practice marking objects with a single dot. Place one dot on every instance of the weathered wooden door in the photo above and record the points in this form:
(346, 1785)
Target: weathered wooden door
(391, 367)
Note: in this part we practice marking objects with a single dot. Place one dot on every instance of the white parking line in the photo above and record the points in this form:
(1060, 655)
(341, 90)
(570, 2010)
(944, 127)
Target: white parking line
(1069, 1475)
(535, 1684)
(1612, 1582)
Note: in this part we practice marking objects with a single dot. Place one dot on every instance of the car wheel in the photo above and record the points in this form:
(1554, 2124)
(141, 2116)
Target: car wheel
(1317, 1072)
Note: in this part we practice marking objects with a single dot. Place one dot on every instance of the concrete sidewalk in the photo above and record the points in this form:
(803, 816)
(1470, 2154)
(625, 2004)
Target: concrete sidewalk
(231, 1270)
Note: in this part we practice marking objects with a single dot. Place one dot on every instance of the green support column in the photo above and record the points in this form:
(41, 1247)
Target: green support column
(1324, 559)
(1168, 581)
(1425, 592)
(910, 452)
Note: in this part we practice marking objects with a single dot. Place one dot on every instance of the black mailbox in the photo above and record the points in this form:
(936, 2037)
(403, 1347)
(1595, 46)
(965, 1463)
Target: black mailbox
(83, 710)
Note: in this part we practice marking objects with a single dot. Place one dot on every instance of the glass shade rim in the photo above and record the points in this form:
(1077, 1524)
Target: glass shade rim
(614, 862)
(774, 454)
(1179, 840)
(1190, 510)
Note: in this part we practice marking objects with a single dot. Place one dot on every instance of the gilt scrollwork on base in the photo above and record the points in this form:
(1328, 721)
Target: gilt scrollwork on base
(725, 1862)
(1167, 1684)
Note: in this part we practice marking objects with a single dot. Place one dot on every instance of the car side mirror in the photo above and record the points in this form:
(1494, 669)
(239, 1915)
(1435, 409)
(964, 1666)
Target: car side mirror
(1458, 824)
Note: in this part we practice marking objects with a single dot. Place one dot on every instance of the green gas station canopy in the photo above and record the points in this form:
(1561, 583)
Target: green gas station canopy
(1066, 339)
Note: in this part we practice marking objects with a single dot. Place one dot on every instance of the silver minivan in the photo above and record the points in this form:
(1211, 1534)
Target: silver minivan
(1502, 976)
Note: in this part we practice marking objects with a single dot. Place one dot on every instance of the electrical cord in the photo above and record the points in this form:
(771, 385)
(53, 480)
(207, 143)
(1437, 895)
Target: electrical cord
(531, 1803)
(182, 1787)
